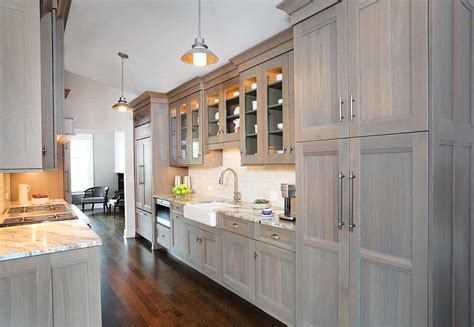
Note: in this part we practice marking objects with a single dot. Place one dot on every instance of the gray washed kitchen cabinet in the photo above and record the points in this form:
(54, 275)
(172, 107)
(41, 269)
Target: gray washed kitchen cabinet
(179, 239)
(275, 271)
(193, 246)
(20, 86)
(238, 264)
(202, 251)
(361, 68)
(364, 214)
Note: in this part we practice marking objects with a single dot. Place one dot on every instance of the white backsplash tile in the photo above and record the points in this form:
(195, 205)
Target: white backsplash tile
(254, 181)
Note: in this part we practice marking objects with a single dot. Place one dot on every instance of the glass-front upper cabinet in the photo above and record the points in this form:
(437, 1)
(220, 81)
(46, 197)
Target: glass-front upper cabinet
(173, 133)
(195, 132)
(278, 124)
(231, 106)
(251, 104)
(183, 132)
(213, 112)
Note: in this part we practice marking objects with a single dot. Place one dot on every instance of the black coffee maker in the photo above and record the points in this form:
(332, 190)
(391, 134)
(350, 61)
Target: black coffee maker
(288, 192)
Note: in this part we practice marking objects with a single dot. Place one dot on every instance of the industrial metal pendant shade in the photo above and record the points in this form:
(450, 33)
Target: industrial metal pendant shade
(122, 104)
(199, 54)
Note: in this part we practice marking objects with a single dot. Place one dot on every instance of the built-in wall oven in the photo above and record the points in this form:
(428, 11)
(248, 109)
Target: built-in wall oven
(163, 212)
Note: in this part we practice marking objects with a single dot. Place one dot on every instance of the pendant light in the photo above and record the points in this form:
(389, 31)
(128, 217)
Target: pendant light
(199, 54)
(122, 105)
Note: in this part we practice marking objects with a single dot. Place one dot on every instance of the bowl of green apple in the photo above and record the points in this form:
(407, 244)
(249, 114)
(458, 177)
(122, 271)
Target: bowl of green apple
(181, 191)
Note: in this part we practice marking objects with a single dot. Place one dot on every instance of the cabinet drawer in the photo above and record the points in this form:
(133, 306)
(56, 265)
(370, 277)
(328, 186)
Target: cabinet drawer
(163, 236)
(144, 224)
(280, 237)
(177, 207)
(238, 226)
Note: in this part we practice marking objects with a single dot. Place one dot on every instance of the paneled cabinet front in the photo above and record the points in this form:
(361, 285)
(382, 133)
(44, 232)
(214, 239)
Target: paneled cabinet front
(20, 86)
(361, 69)
(238, 264)
(362, 238)
(179, 238)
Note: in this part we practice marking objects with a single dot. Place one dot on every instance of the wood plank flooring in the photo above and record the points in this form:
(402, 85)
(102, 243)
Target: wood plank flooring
(141, 288)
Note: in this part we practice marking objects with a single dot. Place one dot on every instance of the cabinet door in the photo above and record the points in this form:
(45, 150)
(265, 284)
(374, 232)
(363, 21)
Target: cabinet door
(322, 245)
(174, 134)
(20, 86)
(76, 288)
(388, 66)
(193, 246)
(230, 120)
(251, 120)
(210, 254)
(139, 189)
(147, 175)
(144, 224)
(389, 243)
(276, 110)
(183, 139)
(238, 264)
(178, 236)
(275, 281)
(25, 292)
(321, 75)
(195, 129)
(213, 99)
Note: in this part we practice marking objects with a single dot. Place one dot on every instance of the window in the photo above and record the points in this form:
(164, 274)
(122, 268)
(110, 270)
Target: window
(82, 162)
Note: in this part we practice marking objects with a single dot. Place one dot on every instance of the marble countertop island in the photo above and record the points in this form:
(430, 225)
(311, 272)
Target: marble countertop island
(36, 239)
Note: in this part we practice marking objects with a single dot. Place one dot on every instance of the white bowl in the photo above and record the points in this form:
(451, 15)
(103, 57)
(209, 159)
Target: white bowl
(280, 125)
(280, 101)
(39, 200)
(216, 116)
(260, 206)
(279, 77)
(254, 105)
(253, 86)
(280, 151)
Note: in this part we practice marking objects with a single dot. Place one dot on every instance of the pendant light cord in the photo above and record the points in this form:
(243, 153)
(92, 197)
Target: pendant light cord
(122, 77)
(199, 19)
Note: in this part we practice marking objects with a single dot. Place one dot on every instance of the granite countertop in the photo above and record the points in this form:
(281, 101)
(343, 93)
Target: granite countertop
(36, 239)
(242, 210)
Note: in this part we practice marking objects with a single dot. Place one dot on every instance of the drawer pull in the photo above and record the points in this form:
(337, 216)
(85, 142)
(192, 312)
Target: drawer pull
(235, 225)
(162, 235)
(275, 236)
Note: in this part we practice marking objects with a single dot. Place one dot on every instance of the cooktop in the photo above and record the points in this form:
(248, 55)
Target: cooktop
(16, 221)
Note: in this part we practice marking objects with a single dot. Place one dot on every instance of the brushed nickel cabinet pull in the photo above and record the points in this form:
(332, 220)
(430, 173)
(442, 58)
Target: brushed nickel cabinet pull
(340, 207)
(351, 201)
(235, 225)
(255, 255)
(341, 117)
(275, 236)
(352, 108)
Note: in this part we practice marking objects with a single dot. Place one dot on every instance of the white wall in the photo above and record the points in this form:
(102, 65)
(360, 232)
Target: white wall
(90, 102)
(262, 182)
(104, 161)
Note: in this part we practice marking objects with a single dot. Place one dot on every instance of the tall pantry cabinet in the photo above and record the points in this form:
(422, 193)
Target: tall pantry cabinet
(384, 131)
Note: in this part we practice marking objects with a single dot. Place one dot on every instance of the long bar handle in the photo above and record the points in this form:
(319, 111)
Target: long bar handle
(341, 221)
(352, 108)
(351, 201)
(341, 117)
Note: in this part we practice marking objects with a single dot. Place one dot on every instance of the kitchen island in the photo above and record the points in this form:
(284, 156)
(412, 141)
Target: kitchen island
(49, 274)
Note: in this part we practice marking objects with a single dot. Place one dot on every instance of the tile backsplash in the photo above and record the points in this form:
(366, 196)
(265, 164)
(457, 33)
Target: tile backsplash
(4, 191)
(254, 181)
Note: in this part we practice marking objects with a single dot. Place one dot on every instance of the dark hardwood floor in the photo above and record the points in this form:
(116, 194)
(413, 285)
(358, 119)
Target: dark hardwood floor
(141, 288)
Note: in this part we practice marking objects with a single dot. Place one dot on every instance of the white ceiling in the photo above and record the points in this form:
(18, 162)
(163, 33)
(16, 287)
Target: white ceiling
(155, 33)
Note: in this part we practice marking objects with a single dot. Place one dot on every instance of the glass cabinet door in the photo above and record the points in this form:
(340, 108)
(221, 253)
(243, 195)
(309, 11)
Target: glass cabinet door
(195, 103)
(250, 123)
(183, 131)
(232, 110)
(214, 131)
(173, 134)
